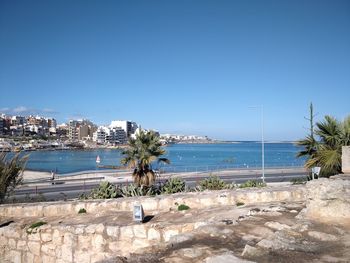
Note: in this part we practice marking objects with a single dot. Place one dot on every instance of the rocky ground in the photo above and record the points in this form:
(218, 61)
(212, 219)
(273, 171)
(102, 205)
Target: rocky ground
(268, 233)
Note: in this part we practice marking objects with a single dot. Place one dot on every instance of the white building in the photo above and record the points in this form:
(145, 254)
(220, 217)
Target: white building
(128, 126)
(106, 135)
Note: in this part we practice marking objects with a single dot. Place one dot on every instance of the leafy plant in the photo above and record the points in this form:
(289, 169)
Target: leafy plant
(212, 183)
(105, 190)
(298, 180)
(134, 190)
(239, 204)
(82, 211)
(174, 185)
(10, 173)
(34, 226)
(252, 183)
(140, 154)
(183, 207)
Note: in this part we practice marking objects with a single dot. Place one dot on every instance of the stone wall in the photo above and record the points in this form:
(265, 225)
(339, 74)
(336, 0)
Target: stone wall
(96, 242)
(346, 159)
(159, 203)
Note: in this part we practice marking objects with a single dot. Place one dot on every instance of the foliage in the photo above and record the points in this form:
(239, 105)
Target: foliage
(298, 180)
(252, 183)
(34, 226)
(105, 190)
(140, 154)
(331, 136)
(174, 185)
(239, 204)
(82, 211)
(183, 207)
(134, 190)
(212, 183)
(10, 174)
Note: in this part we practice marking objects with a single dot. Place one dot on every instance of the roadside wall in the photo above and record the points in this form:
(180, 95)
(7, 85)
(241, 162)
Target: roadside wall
(346, 159)
(97, 242)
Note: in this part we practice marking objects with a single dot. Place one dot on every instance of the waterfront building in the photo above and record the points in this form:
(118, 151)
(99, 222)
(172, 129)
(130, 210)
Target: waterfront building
(18, 120)
(128, 126)
(51, 123)
(112, 136)
(1, 126)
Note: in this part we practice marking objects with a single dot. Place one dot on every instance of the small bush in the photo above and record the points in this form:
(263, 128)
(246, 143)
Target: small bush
(34, 226)
(252, 183)
(183, 207)
(133, 190)
(298, 180)
(105, 190)
(173, 185)
(212, 183)
(239, 204)
(82, 211)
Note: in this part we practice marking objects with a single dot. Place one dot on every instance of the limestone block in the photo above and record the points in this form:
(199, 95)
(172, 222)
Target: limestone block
(34, 247)
(114, 246)
(84, 242)
(227, 257)
(322, 236)
(153, 234)
(48, 259)
(67, 253)
(112, 231)
(98, 242)
(81, 256)
(140, 243)
(3, 240)
(140, 231)
(100, 228)
(170, 233)
(57, 237)
(276, 225)
(187, 228)
(29, 258)
(79, 230)
(90, 229)
(16, 256)
(126, 232)
(46, 237)
(12, 243)
(34, 237)
(69, 239)
(49, 249)
(22, 245)
(100, 257)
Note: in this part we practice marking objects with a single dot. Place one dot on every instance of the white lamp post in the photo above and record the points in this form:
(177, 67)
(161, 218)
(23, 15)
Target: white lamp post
(262, 142)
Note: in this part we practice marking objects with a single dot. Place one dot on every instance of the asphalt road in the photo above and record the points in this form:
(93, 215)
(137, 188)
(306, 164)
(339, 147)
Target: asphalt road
(74, 189)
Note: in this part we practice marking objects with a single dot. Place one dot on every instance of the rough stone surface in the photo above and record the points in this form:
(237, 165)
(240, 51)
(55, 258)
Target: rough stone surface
(227, 257)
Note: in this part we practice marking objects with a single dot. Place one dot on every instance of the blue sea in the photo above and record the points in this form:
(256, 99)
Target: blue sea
(183, 157)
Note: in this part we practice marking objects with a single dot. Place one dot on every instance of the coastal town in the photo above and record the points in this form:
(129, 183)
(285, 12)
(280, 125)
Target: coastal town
(27, 133)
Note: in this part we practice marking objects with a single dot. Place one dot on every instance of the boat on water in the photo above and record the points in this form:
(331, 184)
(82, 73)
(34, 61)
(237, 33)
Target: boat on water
(98, 160)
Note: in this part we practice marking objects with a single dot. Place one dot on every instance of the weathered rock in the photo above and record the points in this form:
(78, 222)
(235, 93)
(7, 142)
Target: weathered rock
(227, 257)
(250, 251)
(276, 225)
(322, 236)
(181, 238)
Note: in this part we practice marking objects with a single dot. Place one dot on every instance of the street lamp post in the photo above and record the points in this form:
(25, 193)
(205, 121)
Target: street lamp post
(262, 143)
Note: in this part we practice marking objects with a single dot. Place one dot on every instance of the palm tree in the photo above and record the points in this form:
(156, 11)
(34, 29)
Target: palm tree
(332, 135)
(140, 154)
(10, 173)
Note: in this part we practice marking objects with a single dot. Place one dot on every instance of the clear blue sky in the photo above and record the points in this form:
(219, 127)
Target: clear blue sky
(191, 67)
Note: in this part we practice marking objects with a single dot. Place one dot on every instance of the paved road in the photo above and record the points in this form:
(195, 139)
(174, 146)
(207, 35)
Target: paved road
(74, 189)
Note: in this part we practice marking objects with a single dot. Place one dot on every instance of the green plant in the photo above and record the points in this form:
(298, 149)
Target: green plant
(183, 207)
(82, 211)
(140, 155)
(173, 185)
(298, 180)
(252, 183)
(10, 173)
(212, 183)
(33, 227)
(105, 190)
(134, 190)
(239, 204)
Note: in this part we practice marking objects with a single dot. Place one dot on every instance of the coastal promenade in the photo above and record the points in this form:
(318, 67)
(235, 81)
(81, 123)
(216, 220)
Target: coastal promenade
(72, 185)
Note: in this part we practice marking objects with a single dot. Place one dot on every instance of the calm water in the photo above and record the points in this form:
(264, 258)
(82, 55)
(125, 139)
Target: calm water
(184, 157)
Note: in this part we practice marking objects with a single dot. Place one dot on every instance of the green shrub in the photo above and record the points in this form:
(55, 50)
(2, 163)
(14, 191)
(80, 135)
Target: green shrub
(239, 204)
(212, 183)
(105, 190)
(133, 190)
(82, 211)
(173, 185)
(34, 226)
(183, 207)
(298, 180)
(252, 183)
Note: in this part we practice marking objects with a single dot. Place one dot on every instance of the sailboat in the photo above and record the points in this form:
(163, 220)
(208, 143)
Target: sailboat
(98, 160)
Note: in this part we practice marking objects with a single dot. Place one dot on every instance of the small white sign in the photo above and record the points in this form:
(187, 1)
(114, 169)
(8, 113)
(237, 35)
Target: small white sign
(138, 213)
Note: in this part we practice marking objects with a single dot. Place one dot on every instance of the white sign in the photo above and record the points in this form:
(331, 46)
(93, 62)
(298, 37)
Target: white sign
(138, 213)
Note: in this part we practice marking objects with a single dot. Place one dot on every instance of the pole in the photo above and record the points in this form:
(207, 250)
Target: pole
(262, 144)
